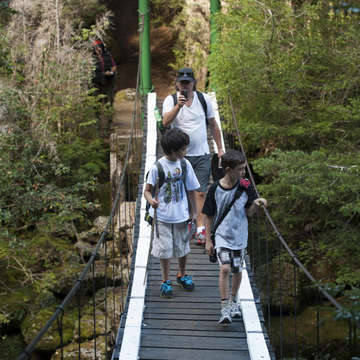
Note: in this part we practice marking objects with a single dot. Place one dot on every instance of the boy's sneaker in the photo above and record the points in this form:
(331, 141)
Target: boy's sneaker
(200, 238)
(166, 289)
(225, 315)
(186, 282)
(235, 310)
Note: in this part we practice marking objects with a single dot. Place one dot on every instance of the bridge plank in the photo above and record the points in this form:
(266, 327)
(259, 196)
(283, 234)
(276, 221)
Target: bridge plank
(209, 325)
(182, 354)
(196, 333)
(189, 342)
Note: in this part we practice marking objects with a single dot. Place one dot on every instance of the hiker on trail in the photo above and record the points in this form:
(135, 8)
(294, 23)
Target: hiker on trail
(173, 210)
(228, 203)
(191, 111)
(105, 71)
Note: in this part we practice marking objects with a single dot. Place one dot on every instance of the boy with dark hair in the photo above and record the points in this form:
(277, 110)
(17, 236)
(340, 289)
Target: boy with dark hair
(235, 197)
(173, 210)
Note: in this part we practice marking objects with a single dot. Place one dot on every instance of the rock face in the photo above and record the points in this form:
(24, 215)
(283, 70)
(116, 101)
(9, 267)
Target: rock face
(70, 325)
(71, 352)
(11, 346)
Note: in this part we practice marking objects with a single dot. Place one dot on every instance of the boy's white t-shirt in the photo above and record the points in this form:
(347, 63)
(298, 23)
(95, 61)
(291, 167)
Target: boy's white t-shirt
(192, 121)
(173, 203)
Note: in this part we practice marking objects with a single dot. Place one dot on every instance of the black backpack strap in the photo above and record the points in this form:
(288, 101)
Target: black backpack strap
(161, 173)
(203, 103)
(183, 171)
(183, 178)
(238, 193)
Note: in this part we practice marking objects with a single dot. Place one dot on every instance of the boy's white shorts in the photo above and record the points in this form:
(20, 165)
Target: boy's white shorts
(173, 241)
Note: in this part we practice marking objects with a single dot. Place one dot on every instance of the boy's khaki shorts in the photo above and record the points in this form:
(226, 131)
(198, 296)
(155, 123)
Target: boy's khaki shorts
(173, 241)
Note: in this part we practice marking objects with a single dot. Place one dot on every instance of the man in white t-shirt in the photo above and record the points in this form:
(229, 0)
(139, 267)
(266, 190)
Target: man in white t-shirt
(188, 115)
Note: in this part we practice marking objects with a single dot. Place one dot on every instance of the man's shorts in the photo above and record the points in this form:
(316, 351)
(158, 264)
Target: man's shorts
(173, 240)
(202, 167)
(235, 258)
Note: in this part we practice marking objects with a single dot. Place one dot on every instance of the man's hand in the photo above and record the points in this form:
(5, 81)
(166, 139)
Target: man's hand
(209, 247)
(221, 152)
(182, 100)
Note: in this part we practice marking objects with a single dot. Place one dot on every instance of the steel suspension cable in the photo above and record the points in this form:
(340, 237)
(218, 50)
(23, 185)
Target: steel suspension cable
(26, 353)
(286, 246)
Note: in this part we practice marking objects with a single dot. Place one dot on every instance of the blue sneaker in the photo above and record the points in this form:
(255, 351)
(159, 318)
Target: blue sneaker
(186, 282)
(166, 289)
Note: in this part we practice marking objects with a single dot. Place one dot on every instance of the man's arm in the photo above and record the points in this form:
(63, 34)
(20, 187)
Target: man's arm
(169, 117)
(216, 133)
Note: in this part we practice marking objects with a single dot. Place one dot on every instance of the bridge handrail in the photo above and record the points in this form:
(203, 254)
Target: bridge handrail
(267, 214)
(25, 354)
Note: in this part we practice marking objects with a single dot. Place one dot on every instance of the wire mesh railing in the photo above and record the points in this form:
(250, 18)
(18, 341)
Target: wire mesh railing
(300, 313)
(86, 322)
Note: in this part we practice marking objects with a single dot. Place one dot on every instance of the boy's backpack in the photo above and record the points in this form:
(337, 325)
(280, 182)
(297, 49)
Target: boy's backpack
(162, 180)
(202, 101)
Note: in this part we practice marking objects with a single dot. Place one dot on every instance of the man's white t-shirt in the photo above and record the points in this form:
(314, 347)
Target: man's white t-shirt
(173, 204)
(192, 121)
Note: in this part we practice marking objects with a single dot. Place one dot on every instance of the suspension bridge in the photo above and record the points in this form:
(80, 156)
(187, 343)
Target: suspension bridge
(135, 322)
(115, 306)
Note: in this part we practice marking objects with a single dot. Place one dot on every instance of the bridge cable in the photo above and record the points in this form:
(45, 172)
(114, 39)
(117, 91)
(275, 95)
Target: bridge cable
(293, 256)
(26, 353)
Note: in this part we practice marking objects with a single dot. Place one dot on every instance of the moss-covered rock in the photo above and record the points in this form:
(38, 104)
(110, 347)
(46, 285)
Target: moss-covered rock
(35, 321)
(11, 346)
(87, 352)
(106, 273)
(92, 235)
(87, 325)
(114, 299)
(66, 277)
(13, 308)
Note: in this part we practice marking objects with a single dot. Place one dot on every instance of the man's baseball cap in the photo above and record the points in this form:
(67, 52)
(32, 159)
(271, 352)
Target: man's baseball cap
(185, 74)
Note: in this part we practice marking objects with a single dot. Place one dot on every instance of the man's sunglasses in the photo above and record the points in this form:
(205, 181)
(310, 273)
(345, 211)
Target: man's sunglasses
(183, 73)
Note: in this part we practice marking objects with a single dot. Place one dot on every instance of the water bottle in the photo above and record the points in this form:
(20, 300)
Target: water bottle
(158, 118)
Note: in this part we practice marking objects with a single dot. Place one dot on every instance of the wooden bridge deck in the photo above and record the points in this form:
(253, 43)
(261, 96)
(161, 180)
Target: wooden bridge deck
(186, 326)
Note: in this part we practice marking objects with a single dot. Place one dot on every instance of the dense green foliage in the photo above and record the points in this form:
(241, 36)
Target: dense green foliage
(164, 11)
(292, 72)
(51, 152)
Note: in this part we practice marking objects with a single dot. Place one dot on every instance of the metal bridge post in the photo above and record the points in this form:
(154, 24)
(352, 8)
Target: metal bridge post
(215, 7)
(145, 54)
